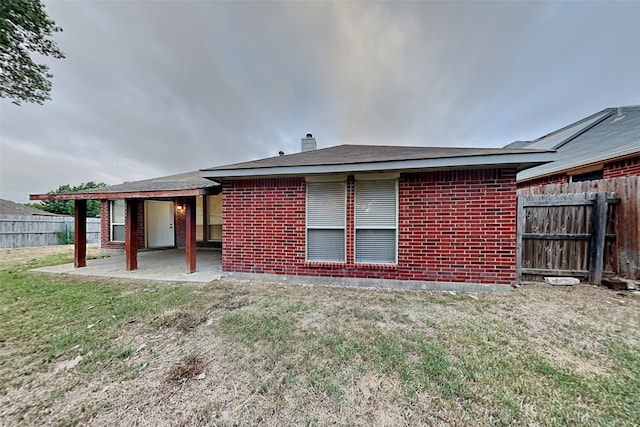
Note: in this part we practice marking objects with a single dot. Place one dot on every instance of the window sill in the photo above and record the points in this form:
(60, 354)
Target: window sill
(325, 264)
(360, 265)
(376, 266)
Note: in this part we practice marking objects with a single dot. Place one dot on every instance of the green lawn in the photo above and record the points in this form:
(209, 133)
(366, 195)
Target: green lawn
(241, 353)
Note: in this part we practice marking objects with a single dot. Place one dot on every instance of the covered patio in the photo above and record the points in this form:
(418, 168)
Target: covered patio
(179, 193)
(166, 265)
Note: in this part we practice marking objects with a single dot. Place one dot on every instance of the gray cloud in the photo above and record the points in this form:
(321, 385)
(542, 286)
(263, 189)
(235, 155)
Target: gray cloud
(153, 88)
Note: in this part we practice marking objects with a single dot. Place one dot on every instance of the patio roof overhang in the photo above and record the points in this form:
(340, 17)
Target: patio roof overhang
(182, 187)
(111, 195)
(189, 184)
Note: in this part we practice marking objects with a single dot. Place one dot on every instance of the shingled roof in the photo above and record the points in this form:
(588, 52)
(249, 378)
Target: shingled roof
(607, 135)
(180, 185)
(361, 158)
(7, 207)
(183, 181)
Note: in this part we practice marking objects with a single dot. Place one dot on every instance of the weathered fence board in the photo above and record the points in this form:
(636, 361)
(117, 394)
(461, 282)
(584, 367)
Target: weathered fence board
(562, 234)
(17, 231)
(598, 236)
(621, 255)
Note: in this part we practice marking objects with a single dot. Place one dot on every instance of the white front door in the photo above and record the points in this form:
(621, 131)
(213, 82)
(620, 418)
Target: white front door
(159, 224)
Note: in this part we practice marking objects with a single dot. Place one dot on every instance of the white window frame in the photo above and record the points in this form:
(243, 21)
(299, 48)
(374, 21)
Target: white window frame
(200, 220)
(112, 221)
(365, 179)
(310, 226)
(208, 222)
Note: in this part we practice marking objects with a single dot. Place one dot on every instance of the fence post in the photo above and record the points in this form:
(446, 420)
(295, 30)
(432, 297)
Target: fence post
(598, 230)
(520, 224)
(80, 234)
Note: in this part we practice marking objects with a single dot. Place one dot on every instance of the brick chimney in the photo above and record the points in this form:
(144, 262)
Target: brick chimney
(308, 143)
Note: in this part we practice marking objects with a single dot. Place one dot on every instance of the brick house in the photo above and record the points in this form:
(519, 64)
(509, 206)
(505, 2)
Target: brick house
(440, 215)
(375, 212)
(601, 146)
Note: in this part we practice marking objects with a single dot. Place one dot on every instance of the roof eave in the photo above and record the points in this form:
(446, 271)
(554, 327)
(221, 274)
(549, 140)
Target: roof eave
(520, 161)
(125, 194)
(605, 158)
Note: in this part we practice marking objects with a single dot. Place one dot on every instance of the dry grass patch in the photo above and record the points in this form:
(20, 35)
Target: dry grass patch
(15, 256)
(242, 353)
(182, 319)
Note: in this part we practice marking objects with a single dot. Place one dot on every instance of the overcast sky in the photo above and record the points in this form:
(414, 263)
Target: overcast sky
(155, 88)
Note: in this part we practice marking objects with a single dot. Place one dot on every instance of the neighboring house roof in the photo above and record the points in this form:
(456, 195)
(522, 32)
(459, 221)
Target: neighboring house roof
(7, 207)
(610, 134)
(180, 185)
(372, 158)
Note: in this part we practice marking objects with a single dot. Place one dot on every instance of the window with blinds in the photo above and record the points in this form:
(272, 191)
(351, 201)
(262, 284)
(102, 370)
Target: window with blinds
(117, 220)
(326, 218)
(376, 213)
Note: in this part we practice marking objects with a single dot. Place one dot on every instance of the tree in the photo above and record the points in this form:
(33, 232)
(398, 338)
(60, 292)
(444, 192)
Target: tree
(25, 28)
(66, 207)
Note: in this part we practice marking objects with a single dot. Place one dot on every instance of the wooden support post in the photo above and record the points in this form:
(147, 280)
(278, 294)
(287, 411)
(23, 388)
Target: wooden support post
(598, 231)
(190, 244)
(520, 224)
(80, 237)
(131, 234)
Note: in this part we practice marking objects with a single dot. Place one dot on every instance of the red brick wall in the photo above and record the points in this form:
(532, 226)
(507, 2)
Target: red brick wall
(263, 226)
(453, 227)
(105, 229)
(560, 178)
(622, 168)
(180, 223)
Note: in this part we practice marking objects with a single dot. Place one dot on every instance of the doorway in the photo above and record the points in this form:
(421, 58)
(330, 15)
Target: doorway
(159, 224)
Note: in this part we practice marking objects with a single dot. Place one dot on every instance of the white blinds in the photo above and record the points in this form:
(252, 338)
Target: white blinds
(326, 217)
(376, 221)
(376, 204)
(376, 246)
(325, 245)
(326, 204)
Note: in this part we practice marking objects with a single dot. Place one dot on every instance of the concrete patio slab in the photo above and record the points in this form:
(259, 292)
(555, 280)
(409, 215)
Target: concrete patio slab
(166, 265)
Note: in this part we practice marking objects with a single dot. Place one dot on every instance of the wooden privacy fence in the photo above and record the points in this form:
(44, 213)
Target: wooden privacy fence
(17, 231)
(581, 229)
(564, 234)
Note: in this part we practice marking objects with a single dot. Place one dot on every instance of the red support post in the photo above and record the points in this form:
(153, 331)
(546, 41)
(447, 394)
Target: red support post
(190, 244)
(131, 234)
(80, 234)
